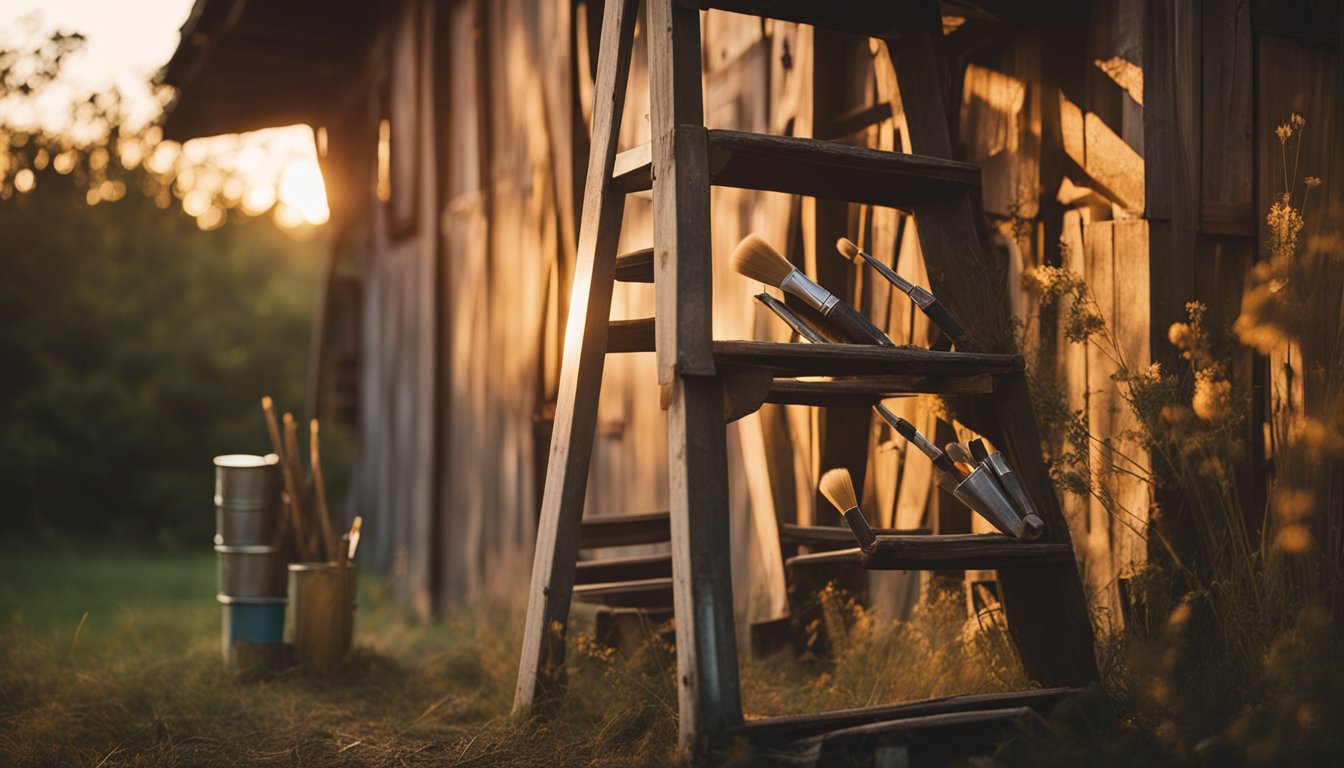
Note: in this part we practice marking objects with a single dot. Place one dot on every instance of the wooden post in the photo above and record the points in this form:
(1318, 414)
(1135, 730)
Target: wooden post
(541, 666)
(1045, 604)
(707, 674)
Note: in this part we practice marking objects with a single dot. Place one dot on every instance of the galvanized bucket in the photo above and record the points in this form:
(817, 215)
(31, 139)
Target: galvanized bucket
(250, 571)
(254, 632)
(320, 617)
(244, 481)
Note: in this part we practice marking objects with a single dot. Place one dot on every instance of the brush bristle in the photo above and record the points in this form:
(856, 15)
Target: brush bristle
(847, 248)
(838, 489)
(757, 260)
(960, 453)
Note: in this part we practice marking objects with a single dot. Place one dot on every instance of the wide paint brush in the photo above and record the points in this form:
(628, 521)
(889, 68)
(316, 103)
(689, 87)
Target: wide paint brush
(756, 259)
(838, 488)
(927, 302)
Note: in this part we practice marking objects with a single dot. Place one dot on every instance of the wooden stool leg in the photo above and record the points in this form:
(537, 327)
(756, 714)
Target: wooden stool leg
(542, 664)
(702, 579)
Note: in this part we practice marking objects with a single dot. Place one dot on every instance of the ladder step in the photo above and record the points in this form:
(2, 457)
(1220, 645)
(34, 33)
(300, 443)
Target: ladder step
(962, 732)
(635, 267)
(962, 551)
(825, 535)
(861, 359)
(790, 727)
(611, 569)
(861, 18)
(833, 558)
(630, 335)
(601, 531)
(642, 593)
(816, 168)
(871, 389)
(911, 364)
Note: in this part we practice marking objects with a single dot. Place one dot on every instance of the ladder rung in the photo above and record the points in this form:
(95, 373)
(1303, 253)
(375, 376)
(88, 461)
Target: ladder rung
(603, 531)
(861, 18)
(834, 558)
(962, 551)
(790, 727)
(630, 335)
(871, 389)
(636, 267)
(823, 169)
(611, 569)
(643, 593)
(967, 729)
(862, 359)
(823, 535)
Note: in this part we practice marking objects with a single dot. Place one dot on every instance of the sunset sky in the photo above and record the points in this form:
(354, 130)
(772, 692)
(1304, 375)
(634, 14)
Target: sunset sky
(127, 42)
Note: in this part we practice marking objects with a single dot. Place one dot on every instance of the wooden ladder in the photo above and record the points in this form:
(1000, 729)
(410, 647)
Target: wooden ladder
(704, 382)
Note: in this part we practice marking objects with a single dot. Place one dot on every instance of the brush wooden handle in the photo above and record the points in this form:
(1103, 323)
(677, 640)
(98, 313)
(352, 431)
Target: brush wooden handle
(858, 525)
(855, 327)
(295, 487)
(943, 319)
(320, 495)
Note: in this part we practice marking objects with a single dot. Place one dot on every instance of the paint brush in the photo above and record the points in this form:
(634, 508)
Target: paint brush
(978, 450)
(354, 535)
(927, 302)
(961, 455)
(791, 318)
(756, 259)
(907, 430)
(291, 458)
(838, 488)
(290, 481)
(320, 493)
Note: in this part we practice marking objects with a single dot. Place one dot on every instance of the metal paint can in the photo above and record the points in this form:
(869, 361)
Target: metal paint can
(249, 571)
(320, 617)
(241, 527)
(245, 481)
(253, 632)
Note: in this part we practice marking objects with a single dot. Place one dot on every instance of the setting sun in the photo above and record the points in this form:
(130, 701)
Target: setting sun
(302, 190)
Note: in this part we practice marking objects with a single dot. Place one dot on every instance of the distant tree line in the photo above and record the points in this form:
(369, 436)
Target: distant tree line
(133, 345)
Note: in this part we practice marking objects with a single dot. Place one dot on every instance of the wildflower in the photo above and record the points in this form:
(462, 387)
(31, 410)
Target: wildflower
(1294, 539)
(1293, 505)
(1313, 182)
(1213, 395)
(1179, 335)
(1284, 132)
(1298, 121)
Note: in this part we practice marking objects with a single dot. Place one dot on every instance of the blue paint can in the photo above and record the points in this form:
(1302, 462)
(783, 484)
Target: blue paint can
(254, 632)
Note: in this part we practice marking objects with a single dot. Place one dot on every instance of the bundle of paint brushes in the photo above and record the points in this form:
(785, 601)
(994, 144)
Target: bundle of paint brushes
(980, 480)
(307, 519)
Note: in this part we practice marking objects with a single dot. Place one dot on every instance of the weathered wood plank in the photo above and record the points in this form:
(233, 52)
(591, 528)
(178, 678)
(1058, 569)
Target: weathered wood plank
(823, 169)
(643, 593)
(611, 569)
(708, 695)
(541, 665)
(960, 551)
(779, 729)
(600, 532)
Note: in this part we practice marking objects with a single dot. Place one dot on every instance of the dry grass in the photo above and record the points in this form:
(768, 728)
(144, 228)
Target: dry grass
(141, 682)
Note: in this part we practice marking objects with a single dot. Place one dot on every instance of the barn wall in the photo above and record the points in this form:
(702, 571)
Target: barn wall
(1100, 150)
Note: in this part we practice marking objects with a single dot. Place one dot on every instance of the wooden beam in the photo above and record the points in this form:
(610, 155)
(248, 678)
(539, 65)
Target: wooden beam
(541, 667)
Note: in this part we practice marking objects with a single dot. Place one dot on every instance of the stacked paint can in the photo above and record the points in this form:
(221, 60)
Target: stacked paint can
(251, 572)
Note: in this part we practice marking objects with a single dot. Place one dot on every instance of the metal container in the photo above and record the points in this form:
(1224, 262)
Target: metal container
(320, 617)
(981, 492)
(244, 481)
(250, 572)
(254, 632)
(242, 527)
(1032, 524)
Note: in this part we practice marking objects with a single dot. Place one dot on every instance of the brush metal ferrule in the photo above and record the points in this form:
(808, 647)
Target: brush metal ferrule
(890, 274)
(803, 287)
(921, 297)
(858, 525)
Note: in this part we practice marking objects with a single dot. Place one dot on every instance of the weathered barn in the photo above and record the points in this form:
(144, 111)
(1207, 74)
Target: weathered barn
(1117, 138)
